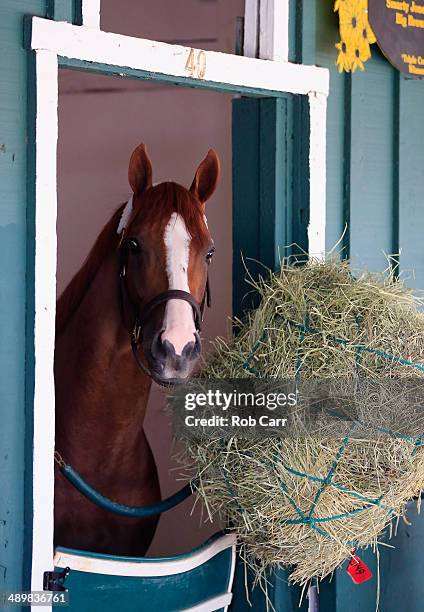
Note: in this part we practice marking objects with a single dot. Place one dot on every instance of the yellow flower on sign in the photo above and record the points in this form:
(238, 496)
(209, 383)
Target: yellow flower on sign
(355, 33)
(351, 20)
(362, 50)
(357, 62)
(367, 33)
(344, 59)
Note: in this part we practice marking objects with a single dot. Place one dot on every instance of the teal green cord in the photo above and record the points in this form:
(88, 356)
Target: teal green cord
(309, 518)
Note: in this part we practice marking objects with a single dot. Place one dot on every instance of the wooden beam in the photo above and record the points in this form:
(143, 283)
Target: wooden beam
(158, 58)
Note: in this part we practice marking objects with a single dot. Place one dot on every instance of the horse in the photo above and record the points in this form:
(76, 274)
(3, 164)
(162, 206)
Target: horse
(130, 315)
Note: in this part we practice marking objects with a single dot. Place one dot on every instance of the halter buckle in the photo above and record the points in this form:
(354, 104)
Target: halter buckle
(136, 333)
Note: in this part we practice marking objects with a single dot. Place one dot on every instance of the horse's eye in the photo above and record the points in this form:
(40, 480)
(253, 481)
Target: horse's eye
(209, 254)
(134, 245)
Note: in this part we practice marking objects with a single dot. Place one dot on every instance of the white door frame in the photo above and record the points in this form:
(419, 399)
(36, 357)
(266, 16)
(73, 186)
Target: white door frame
(53, 40)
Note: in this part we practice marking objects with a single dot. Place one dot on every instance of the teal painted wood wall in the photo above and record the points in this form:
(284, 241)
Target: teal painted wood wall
(375, 179)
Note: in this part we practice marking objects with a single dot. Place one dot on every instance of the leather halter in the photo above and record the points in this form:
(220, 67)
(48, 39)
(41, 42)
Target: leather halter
(143, 313)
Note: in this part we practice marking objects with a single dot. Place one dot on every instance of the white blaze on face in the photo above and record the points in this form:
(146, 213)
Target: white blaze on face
(179, 328)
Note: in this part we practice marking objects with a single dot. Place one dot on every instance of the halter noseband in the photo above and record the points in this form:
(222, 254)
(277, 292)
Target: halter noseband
(142, 314)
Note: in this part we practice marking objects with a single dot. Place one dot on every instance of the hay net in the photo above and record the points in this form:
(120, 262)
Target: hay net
(308, 501)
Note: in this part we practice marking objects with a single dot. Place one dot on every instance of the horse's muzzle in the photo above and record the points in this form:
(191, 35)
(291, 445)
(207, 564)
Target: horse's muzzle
(167, 367)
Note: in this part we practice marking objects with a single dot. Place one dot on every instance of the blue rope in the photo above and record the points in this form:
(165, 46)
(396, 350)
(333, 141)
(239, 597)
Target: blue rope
(309, 518)
(361, 347)
(327, 479)
(327, 519)
(121, 509)
(375, 502)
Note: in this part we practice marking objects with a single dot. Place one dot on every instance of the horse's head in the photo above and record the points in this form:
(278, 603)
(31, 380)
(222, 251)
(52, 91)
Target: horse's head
(169, 248)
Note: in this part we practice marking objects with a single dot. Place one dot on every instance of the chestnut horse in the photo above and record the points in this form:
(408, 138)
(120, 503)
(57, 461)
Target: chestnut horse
(156, 248)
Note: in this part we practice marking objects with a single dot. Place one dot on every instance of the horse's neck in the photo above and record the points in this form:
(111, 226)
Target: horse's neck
(101, 394)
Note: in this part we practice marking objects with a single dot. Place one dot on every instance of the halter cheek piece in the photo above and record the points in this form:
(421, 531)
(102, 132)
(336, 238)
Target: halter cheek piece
(143, 313)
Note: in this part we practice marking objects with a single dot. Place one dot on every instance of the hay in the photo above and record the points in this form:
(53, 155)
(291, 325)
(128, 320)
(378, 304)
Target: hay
(308, 501)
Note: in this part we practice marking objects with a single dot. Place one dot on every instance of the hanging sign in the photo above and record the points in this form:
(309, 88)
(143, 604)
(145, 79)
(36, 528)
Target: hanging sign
(358, 571)
(399, 28)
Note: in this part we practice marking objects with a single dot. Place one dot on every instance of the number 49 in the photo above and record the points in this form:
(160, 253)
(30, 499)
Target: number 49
(196, 66)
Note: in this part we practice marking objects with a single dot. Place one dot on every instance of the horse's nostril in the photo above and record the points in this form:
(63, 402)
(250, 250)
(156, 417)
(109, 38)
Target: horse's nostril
(158, 348)
(187, 351)
(192, 349)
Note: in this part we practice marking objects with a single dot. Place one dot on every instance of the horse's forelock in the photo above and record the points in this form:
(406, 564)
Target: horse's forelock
(158, 203)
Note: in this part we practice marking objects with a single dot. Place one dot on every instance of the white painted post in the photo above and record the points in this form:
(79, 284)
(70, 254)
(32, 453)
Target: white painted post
(274, 30)
(46, 133)
(251, 28)
(266, 29)
(91, 13)
(317, 173)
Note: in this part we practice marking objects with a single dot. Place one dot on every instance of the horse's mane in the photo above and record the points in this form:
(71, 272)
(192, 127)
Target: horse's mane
(157, 204)
(72, 296)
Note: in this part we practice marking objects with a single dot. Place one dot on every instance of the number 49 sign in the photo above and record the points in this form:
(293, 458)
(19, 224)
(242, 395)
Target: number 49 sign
(196, 64)
(358, 571)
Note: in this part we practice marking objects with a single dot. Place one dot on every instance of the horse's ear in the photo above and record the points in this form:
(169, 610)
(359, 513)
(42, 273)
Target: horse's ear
(140, 170)
(206, 177)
